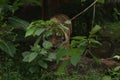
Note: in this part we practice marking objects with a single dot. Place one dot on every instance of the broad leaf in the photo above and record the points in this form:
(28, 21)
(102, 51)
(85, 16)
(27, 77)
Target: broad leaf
(39, 31)
(68, 22)
(51, 56)
(95, 29)
(18, 22)
(60, 53)
(30, 57)
(43, 64)
(75, 59)
(30, 32)
(116, 68)
(7, 47)
(75, 55)
(47, 44)
(25, 53)
(43, 52)
(91, 40)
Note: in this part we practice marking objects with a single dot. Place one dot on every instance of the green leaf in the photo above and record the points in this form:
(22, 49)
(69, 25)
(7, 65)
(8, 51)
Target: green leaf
(75, 59)
(95, 29)
(47, 44)
(60, 53)
(48, 33)
(101, 1)
(75, 55)
(7, 47)
(36, 48)
(91, 40)
(18, 22)
(79, 37)
(30, 57)
(25, 53)
(74, 43)
(68, 22)
(107, 78)
(116, 68)
(43, 64)
(51, 56)
(43, 51)
(30, 32)
(33, 69)
(39, 31)
(62, 67)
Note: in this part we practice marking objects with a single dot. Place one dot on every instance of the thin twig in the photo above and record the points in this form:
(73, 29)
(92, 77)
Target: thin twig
(84, 10)
(93, 19)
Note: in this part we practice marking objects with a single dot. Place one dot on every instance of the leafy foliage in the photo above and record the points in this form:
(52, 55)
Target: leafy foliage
(7, 25)
(79, 46)
(113, 74)
(36, 57)
(8, 47)
(42, 51)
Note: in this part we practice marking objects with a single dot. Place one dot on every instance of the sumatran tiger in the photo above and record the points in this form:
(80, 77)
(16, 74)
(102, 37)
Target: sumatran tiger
(63, 40)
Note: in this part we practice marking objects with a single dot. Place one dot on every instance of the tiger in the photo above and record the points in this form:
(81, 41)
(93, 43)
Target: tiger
(57, 40)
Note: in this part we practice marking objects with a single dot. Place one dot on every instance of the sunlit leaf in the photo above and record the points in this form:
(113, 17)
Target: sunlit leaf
(68, 22)
(47, 44)
(117, 57)
(95, 29)
(30, 32)
(39, 31)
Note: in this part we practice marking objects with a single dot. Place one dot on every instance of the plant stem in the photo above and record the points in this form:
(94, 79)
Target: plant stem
(93, 20)
(37, 41)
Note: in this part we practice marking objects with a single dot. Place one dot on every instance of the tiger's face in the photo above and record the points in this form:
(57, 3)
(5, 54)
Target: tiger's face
(57, 40)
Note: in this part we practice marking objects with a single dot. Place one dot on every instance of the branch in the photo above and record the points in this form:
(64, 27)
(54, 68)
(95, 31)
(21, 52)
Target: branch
(84, 10)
